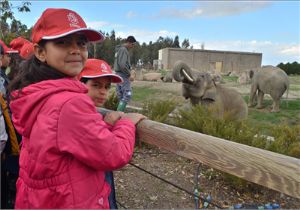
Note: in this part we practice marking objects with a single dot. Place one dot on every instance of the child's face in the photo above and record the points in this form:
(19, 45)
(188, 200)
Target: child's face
(67, 54)
(98, 89)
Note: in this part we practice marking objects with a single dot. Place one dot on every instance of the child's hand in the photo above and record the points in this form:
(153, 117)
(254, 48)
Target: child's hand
(134, 117)
(112, 117)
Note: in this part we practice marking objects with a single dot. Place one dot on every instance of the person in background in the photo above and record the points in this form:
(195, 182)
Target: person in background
(66, 145)
(5, 60)
(17, 43)
(25, 49)
(9, 139)
(98, 76)
(122, 67)
(3, 134)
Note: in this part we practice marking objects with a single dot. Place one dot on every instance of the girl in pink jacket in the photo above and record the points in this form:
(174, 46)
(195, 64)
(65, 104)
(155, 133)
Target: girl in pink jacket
(66, 145)
(98, 76)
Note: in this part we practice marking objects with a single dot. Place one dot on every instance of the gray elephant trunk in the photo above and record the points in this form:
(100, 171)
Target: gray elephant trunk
(182, 72)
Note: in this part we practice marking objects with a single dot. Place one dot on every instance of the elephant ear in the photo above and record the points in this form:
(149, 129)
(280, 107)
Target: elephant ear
(210, 94)
(216, 78)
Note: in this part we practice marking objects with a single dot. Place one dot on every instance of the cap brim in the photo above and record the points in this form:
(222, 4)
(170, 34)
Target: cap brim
(114, 78)
(8, 51)
(91, 34)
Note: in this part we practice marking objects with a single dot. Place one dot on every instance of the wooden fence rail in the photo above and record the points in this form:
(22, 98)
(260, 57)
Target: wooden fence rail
(269, 169)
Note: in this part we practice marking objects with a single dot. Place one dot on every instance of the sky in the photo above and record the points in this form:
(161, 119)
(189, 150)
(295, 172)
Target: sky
(268, 27)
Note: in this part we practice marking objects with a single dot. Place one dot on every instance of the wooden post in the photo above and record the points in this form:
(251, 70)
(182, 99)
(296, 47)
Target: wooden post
(269, 169)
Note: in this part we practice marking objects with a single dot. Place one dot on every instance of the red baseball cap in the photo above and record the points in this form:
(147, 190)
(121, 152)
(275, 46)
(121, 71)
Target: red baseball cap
(7, 50)
(18, 43)
(27, 50)
(57, 22)
(95, 68)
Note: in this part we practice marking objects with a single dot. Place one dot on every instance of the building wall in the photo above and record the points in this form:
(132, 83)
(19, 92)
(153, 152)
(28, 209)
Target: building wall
(205, 60)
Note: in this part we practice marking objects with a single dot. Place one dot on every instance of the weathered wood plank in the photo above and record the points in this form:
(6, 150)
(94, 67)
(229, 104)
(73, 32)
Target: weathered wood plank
(269, 169)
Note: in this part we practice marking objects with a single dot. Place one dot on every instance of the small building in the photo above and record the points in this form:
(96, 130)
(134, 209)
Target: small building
(210, 60)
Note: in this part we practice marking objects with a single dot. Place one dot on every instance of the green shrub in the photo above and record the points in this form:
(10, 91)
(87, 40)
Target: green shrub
(158, 110)
(112, 101)
(203, 120)
(286, 140)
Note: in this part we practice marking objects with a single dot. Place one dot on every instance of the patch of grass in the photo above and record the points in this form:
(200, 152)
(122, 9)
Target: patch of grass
(230, 78)
(294, 87)
(294, 79)
(141, 93)
(163, 72)
(289, 113)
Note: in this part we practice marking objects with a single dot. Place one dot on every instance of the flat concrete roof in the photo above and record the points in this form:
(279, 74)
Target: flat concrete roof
(217, 51)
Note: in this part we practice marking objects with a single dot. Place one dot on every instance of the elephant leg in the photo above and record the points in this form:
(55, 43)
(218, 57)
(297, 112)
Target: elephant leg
(275, 106)
(252, 96)
(260, 99)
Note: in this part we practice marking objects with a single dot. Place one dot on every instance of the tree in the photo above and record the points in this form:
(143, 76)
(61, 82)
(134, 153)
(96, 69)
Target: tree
(290, 68)
(7, 32)
(185, 44)
(176, 42)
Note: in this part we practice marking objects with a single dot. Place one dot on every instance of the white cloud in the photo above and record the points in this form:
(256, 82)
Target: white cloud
(273, 53)
(97, 24)
(103, 26)
(291, 50)
(131, 14)
(214, 9)
(146, 36)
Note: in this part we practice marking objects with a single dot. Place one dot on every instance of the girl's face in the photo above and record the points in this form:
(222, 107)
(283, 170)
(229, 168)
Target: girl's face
(67, 54)
(98, 89)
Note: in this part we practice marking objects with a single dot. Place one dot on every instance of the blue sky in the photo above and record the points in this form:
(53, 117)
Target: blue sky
(268, 27)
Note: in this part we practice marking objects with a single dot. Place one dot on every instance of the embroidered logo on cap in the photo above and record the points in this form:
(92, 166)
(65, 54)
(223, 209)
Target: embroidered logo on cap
(73, 20)
(103, 67)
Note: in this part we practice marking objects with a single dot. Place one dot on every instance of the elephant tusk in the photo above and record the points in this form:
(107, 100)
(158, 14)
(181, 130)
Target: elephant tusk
(187, 76)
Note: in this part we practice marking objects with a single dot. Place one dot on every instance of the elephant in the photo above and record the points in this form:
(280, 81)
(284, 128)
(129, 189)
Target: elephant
(201, 88)
(152, 76)
(268, 80)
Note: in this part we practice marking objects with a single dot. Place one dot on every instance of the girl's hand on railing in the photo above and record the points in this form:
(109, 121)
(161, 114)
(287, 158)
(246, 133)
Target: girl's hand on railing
(134, 117)
(112, 117)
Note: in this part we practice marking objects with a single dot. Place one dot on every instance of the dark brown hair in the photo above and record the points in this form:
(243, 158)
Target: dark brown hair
(15, 60)
(84, 80)
(33, 71)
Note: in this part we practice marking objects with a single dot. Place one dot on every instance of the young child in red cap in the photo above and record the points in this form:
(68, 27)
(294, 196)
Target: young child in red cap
(98, 76)
(23, 46)
(66, 145)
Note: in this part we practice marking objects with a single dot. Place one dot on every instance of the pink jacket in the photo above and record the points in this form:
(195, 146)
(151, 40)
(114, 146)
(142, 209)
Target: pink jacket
(66, 147)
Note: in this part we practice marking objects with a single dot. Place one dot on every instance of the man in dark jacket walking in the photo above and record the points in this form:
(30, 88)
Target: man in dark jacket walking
(122, 67)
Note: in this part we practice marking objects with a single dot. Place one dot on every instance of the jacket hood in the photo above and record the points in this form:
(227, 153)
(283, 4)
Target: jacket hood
(27, 103)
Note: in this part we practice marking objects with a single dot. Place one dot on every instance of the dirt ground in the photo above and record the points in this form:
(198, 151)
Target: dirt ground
(137, 189)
